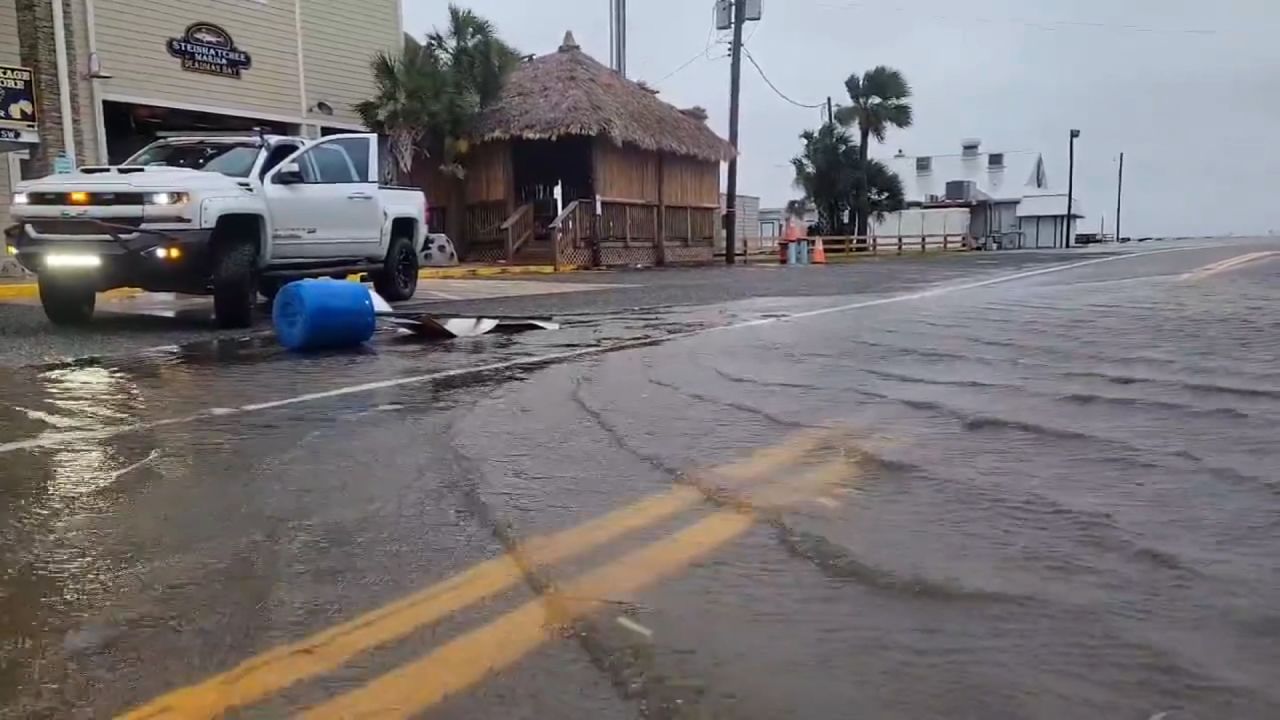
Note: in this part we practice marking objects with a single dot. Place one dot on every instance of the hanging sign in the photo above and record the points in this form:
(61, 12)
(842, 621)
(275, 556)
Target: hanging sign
(17, 96)
(207, 48)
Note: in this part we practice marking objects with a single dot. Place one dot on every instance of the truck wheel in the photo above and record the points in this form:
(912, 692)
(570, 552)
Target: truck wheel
(270, 287)
(398, 278)
(67, 302)
(234, 286)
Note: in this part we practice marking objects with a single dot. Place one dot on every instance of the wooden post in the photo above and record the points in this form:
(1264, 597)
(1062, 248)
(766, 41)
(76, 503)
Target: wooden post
(923, 240)
(688, 221)
(556, 234)
(899, 232)
(660, 232)
(944, 233)
(626, 219)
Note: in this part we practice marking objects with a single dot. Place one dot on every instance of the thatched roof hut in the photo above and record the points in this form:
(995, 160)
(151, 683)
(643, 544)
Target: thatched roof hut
(569, 93)
(569, 136)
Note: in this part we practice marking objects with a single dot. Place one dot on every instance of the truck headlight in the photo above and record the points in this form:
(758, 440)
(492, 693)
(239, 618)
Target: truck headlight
(21, 199)
(165, 198)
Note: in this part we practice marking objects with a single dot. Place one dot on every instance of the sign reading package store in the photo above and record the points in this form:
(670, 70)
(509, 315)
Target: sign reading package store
(207, 48)
(17, 96)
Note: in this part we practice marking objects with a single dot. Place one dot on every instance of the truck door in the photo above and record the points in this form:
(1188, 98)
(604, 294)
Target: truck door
(324, 200)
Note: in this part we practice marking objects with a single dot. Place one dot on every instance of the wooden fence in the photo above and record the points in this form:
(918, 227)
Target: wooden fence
(875, 245)
(851, 245)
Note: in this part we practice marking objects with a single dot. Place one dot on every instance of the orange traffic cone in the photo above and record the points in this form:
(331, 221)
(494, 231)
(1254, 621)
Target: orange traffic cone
(819, 253)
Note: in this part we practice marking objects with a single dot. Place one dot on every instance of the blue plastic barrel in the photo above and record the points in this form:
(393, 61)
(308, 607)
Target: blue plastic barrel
(323, 315)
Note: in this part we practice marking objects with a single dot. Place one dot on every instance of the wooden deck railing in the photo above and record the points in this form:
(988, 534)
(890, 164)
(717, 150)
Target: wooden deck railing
(519, 229)
(571, 236)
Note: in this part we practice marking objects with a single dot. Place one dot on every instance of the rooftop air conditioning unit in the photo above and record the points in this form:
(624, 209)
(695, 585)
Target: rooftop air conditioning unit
(960, 191)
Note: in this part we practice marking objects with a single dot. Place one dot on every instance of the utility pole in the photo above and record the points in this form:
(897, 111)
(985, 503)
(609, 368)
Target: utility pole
(831, 115)
(1119, 195)
(1071, 186)
(618, 36)
(735, 90)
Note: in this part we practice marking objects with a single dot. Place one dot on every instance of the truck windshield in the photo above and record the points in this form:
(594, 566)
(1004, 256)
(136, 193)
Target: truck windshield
(231, 159)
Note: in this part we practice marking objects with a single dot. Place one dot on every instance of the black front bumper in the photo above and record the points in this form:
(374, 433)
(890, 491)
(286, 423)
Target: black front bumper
(128, 258)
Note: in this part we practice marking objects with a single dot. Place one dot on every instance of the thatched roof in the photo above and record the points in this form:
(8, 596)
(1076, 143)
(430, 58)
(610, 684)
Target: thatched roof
(569, 93)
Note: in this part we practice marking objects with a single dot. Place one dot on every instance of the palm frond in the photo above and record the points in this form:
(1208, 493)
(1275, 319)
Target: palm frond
(885, 83)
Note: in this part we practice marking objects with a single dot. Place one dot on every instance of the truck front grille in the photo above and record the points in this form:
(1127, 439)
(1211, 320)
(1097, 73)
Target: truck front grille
(95, 198)
(79, 227)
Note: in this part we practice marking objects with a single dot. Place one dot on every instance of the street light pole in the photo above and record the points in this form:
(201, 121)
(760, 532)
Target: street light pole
(1071, 186)
(735, 90)
(1119, 195)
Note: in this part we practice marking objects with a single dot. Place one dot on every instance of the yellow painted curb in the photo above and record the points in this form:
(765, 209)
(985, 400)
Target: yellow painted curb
(446, 273)
(24, 291)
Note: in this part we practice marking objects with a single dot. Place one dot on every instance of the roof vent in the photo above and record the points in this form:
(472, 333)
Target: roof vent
(569, 42)
(970, 147)
(995, 161)
(900, 154)
(697, 112)
(924, 164)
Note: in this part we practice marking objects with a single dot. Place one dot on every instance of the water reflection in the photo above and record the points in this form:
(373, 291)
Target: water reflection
(88, 398)
(53, 567)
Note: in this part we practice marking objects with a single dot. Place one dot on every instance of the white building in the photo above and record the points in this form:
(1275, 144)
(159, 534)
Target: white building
(1006, 194)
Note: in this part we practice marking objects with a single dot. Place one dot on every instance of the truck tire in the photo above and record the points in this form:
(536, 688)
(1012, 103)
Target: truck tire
(269, 287)
(234, 284)
(397, 280)
(65, 301)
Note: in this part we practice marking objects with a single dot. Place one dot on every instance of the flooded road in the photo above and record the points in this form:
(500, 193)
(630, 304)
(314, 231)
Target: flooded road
(1023, 486)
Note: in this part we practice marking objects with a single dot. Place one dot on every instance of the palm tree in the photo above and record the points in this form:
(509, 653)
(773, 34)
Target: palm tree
(409, 87)
(879, 100)
(478, 59)
(824, 171)
(830, 170)
(430, 94)
(884, 191)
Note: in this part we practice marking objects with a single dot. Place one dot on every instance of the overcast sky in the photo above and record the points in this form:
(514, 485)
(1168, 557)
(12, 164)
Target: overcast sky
(1189, 89)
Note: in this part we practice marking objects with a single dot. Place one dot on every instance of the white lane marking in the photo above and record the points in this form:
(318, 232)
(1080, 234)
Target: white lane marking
(1230, 264)
(635, 627)
(125, 471)
(48, 439)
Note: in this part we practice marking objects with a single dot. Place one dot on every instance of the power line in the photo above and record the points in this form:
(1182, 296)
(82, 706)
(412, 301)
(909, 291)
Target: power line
(773, 87)
(702, 54)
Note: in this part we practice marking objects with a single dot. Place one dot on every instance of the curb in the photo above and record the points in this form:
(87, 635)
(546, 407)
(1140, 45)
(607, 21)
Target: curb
(447, 273)
(24, 291)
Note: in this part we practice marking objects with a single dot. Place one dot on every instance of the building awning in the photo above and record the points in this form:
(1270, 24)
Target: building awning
(1048, 206)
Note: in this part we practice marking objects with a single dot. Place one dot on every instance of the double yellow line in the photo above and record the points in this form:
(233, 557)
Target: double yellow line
(467, 659)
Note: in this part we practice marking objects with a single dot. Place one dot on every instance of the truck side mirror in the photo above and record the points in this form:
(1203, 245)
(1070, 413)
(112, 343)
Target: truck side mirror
(289, 174)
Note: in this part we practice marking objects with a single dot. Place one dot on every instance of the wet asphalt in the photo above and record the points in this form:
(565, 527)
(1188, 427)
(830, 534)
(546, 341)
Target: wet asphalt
(1058, 493)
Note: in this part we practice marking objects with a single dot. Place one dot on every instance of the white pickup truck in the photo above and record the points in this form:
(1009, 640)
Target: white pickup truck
(227, 216)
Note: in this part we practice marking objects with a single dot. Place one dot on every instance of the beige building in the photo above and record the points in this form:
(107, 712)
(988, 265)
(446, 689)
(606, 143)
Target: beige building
(128, 71)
